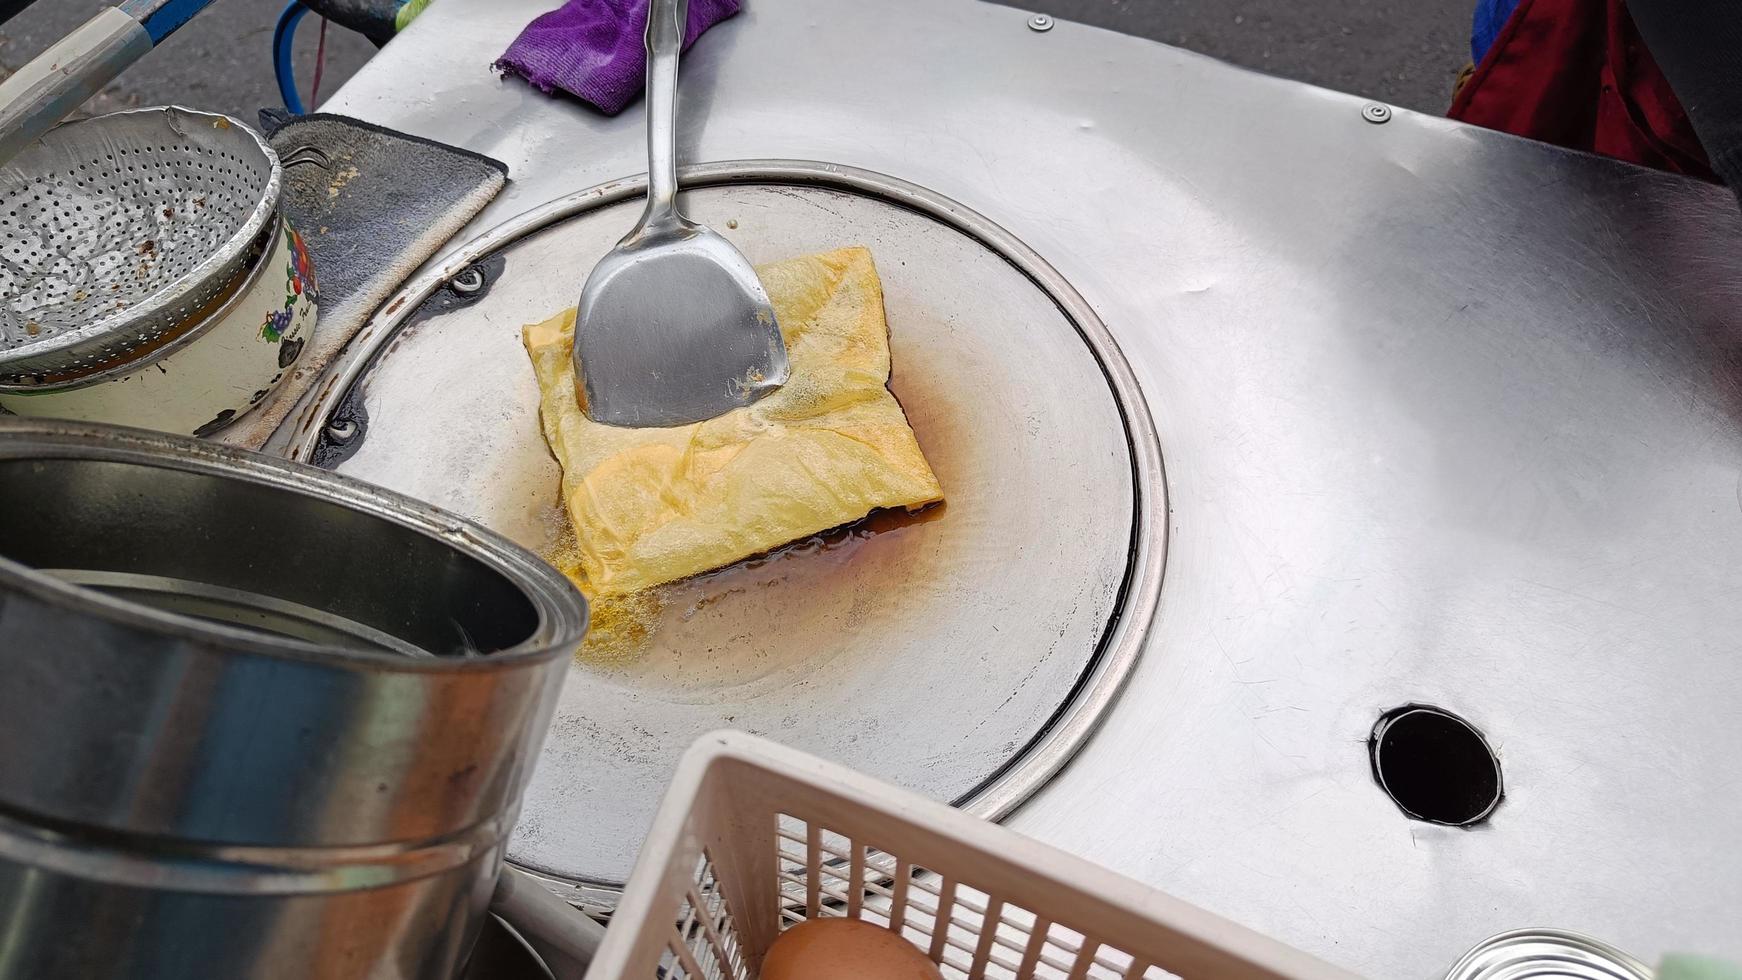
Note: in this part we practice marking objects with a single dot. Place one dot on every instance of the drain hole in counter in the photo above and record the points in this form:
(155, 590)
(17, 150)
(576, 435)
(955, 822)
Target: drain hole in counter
(1435, 765)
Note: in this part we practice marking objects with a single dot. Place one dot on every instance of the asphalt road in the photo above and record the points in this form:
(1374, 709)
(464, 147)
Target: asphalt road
(221, 60)
(1405, 52)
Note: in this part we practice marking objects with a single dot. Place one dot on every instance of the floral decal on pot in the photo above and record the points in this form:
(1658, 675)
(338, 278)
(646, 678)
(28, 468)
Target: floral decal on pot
(273, 328)
(299, 284)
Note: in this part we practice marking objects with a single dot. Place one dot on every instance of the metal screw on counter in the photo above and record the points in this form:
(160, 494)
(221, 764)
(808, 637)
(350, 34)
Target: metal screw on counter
(341, 431)
(258, 721)
(1040, 23)
(467, 281)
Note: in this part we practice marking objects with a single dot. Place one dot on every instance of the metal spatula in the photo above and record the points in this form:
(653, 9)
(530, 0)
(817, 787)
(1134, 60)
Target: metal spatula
(673, 326)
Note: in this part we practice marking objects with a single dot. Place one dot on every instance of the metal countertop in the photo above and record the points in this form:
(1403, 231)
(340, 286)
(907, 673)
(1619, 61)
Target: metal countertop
(1447, 416)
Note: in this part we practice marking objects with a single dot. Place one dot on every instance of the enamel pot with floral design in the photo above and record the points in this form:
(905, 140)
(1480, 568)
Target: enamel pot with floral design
(211, 371)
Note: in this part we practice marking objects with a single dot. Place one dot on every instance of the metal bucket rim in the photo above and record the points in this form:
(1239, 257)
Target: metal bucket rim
(560, 609)
(1572, 941)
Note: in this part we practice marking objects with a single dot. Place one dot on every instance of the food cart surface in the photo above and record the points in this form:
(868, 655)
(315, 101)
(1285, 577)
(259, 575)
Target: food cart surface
(1446, 416)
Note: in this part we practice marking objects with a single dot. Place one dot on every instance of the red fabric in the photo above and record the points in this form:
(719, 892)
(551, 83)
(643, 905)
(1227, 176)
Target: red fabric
(1575, 73)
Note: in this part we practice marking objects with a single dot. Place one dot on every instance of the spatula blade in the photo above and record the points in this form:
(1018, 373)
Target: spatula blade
(673, 327)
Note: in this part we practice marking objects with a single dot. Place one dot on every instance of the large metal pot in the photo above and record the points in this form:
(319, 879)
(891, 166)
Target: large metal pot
(282, 728)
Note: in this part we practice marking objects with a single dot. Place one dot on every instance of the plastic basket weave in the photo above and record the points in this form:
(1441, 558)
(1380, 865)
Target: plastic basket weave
(753, 837)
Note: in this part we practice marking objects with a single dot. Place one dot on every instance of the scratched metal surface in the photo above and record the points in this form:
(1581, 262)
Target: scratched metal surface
(1448, 416)
(947, 624)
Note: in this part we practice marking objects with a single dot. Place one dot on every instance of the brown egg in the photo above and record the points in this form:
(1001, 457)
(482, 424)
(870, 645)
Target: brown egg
(845, 949)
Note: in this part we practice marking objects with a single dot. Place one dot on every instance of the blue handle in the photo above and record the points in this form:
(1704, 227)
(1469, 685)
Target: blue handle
(160, 18)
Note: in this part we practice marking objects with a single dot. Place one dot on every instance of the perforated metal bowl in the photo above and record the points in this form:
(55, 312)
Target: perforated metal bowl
(115, 230)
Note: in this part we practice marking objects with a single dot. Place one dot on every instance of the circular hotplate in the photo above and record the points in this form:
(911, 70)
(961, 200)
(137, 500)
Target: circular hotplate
(965, 652)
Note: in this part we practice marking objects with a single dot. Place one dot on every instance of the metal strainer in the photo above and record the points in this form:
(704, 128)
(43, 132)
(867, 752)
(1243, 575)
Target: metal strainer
(117, 229)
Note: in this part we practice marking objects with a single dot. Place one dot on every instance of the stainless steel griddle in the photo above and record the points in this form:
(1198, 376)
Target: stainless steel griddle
(964, 652)
(1448, 417)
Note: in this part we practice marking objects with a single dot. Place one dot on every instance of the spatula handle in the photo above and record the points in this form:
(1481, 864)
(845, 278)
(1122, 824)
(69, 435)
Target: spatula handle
(665, 30)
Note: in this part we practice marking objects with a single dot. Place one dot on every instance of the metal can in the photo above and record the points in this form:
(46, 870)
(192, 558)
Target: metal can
(1546, 954)
(256, 721)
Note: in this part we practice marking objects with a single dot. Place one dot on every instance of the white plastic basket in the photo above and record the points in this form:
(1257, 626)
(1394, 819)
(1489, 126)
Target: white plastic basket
(753, 837)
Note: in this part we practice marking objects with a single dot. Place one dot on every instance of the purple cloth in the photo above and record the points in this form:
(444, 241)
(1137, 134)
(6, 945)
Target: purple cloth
(593, 49)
